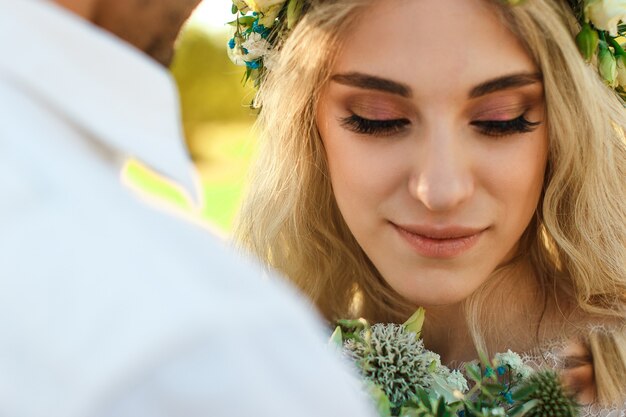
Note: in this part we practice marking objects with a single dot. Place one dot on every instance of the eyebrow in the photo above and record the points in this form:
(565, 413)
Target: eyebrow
(504, 83)
(370, 82)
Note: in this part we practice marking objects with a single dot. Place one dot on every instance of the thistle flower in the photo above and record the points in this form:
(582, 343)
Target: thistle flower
(545, 389)
(395, 359)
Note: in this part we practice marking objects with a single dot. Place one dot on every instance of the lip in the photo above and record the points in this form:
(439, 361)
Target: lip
(440, 242)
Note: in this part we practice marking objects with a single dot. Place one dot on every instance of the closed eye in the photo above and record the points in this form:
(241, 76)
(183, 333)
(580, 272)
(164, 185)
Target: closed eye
(363, 126)
(497, 128)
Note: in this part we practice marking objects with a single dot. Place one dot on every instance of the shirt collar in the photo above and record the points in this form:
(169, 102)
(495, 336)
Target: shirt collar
(110, 89)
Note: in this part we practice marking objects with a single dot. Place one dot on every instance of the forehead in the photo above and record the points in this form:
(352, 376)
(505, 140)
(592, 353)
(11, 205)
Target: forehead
(437, 47)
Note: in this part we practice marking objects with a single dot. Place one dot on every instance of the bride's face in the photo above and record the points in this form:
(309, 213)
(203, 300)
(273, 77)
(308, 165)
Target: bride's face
(435, 135)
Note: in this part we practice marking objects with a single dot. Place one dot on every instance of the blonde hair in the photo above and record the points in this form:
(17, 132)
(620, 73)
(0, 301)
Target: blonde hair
(576, 243)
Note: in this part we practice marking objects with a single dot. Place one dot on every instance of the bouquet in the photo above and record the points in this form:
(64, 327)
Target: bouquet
(404, 379)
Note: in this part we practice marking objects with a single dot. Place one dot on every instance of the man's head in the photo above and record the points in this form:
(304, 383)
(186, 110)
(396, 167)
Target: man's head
(150, 25)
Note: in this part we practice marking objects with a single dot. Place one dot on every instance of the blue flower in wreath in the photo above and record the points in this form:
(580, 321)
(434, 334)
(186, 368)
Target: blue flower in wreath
(253, 64)
(260, 29)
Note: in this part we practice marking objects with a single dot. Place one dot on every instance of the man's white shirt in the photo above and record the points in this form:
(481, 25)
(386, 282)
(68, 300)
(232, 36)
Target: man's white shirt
(108, 307)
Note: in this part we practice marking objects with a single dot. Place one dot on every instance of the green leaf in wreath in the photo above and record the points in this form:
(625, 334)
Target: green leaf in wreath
(294, 10)
(246, 21)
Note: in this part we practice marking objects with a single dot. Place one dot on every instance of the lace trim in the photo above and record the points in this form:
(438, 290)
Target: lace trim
(550, 357)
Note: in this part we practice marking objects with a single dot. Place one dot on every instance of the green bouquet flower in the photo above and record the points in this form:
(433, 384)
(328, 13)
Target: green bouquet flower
(407, 380)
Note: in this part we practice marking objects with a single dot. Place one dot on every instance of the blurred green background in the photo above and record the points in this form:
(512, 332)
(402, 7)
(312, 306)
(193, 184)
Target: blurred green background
(217, 119)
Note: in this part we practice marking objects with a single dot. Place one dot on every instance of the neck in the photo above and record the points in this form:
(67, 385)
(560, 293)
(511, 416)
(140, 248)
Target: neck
(511, 304)
(446, 332)
(83, 8)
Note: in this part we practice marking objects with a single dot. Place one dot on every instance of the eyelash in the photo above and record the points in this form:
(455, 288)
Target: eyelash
(494, 128)
(497, 128)
(360, 125)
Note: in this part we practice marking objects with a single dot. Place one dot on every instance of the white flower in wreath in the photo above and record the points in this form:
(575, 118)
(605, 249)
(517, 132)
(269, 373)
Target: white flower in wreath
(256, 47)
(242, 6)
(606, 14)
(270, 60)
(268, 17)
(262, 6)
(235, 53)
(267, 9)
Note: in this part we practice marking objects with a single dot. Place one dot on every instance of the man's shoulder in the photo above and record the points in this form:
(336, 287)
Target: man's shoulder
(111, 237)
(105, 288)
(68, 223)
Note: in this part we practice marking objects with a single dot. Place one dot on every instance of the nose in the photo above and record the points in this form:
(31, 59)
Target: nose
(442, 179)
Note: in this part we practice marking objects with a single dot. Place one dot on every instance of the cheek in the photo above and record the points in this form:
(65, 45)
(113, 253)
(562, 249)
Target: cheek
(516, 175)
(363, 171)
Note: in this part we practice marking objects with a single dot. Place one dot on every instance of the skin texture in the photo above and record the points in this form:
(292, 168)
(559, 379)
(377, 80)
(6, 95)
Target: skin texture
(82, 8)
(440, 171)
(434, 168)
(150, 25)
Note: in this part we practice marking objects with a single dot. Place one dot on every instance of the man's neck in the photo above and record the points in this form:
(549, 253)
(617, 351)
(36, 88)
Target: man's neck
(83, 8)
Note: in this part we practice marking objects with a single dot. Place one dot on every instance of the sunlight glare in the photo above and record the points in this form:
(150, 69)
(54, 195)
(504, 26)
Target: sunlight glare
(214, 14)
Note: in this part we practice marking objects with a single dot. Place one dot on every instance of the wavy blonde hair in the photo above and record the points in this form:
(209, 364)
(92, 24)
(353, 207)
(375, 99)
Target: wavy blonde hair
(576, 242)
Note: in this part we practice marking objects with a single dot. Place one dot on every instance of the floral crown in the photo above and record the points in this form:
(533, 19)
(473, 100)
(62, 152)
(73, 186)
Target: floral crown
(262, 25)
(260, 28)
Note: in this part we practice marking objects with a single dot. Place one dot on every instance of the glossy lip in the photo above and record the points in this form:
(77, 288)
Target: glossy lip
(439, 242)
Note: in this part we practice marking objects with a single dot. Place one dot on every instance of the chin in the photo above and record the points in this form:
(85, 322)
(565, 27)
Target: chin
(438, 290)
(161, 49)
(438, 300)
(162, 56)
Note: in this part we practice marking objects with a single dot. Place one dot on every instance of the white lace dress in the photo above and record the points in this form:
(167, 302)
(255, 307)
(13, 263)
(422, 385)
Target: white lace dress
(552, 357)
